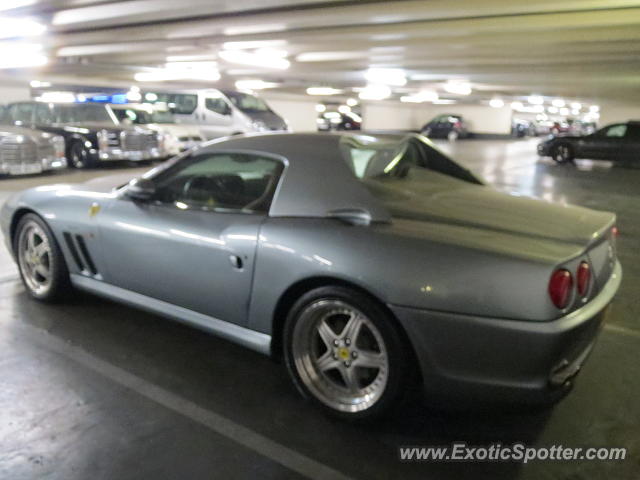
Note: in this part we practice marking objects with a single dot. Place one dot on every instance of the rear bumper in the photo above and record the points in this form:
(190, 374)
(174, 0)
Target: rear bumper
(497, 359)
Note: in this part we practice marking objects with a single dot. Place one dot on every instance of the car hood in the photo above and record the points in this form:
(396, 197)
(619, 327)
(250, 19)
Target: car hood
(482, 208)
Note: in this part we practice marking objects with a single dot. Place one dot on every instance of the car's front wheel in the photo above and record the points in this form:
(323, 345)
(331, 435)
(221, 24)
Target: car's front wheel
(563, 153)
(345, 353)
(42, 267)
(79, 156)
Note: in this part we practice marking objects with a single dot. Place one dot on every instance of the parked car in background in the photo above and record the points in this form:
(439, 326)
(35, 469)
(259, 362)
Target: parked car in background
(449, 126)
(521, 128)
(24, 151)
(338, 121)
(379, 265)
(619, 142)
(175, 137)
(220, 113)
(92, 133)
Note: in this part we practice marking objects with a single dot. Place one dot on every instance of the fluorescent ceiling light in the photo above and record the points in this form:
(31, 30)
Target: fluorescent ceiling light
(151, 97)
(535, 100)
(552, 109)
(496, 103)
(564, 111)
(320, 108)
(386, 76)
(352, 102)
(11, 27)
(323, 91)
(458, 88)
(444, 101)
(594, 108)
(558, 102)
(39, 84)
(328, 56)
(57, 97)
(204, 71)
(344, 109)
(420, 97)
(25, 55)
(375, 92)
(11, 4)
(517, 106)
(191, 58)
(575, 112)
(576, 105)
(252, 44)
(243, 57)
(254, 85)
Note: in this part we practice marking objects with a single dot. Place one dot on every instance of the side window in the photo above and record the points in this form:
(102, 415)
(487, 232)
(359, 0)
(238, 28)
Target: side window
(633, 132)
(43, 115)
(616, 131)
(22, 113)
(220, 182)
(217, 105)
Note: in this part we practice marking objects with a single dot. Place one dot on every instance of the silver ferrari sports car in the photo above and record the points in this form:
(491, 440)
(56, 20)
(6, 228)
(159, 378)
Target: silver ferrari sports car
(367, 262)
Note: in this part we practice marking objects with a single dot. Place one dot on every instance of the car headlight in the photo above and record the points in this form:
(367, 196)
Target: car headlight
(258, 126)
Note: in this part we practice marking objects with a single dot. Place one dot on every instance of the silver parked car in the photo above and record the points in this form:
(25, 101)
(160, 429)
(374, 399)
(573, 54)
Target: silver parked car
(366, 261)
(25, 151)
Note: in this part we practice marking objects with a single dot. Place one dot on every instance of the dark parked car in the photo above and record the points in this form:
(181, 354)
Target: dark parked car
(448, 126)
(618, 142)
(92, 134)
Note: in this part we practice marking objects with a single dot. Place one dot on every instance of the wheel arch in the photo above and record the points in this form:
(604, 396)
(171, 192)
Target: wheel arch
(299, 288)
(15, 220)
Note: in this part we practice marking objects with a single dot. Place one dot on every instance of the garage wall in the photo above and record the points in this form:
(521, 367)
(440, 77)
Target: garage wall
(300, 112)
(10, 92)
(615, 112)
(392, 116)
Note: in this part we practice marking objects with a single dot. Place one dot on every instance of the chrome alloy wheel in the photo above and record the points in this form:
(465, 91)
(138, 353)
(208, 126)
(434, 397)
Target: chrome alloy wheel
(340, 355)
(34, 255)
(563, 154)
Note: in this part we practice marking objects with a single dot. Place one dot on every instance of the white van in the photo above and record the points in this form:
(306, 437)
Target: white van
(219, 113)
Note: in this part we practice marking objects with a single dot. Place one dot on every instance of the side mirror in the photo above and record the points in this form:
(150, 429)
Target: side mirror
(141, 189)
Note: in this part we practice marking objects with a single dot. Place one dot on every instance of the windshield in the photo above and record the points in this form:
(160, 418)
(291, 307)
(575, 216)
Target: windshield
(247, 103)
(398, 170)
(84, 113)
(142, 117)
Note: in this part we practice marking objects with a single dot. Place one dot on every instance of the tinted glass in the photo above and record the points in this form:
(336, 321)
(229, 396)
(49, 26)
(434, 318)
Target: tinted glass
(392, 168)
(181, 103)
(633, 132)
(21, 112)
(142, 117)
(220, 182)
(84, 113)
(247, 103)
(217, 105)
(616, 131)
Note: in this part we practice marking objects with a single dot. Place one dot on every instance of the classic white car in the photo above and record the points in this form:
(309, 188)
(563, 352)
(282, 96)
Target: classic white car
(176, 138)
(24, 151)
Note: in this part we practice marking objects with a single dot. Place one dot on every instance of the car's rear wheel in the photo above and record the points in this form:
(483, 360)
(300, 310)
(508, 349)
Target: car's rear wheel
(453, 135)
(563, 153)
(345, 353)
(41, 263)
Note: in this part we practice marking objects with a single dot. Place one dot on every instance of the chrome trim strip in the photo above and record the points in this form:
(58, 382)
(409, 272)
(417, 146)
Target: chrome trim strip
(260, 342)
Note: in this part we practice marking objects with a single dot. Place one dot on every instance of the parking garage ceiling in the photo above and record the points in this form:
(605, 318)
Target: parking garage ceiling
(574, 48)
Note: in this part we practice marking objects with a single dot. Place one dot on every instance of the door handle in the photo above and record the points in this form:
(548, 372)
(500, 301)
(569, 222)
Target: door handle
(236, 262)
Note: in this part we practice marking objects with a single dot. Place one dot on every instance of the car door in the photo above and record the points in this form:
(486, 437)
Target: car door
(632, 143)
(605, 144)
(216, 116)
(194, 244)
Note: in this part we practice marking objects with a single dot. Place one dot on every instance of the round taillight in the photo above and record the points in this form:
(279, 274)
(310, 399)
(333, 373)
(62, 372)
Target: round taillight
(583, 278)
(560, 288)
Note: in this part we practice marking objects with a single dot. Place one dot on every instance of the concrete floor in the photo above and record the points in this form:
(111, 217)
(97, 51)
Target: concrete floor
(92, 389)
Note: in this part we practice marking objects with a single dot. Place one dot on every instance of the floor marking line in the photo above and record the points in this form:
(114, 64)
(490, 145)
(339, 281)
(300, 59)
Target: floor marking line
(221, 425)
(622, 330)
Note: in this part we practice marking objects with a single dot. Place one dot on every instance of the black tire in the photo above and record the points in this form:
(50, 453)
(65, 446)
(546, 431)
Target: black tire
(59, 285)
(79, 156)
(563, 153)
(395, 349)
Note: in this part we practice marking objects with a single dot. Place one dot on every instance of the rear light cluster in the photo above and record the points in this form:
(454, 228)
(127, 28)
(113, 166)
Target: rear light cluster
(561, 284)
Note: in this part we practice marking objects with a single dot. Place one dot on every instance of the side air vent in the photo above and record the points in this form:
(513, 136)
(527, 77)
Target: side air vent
(85, 253)
(74, 251)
